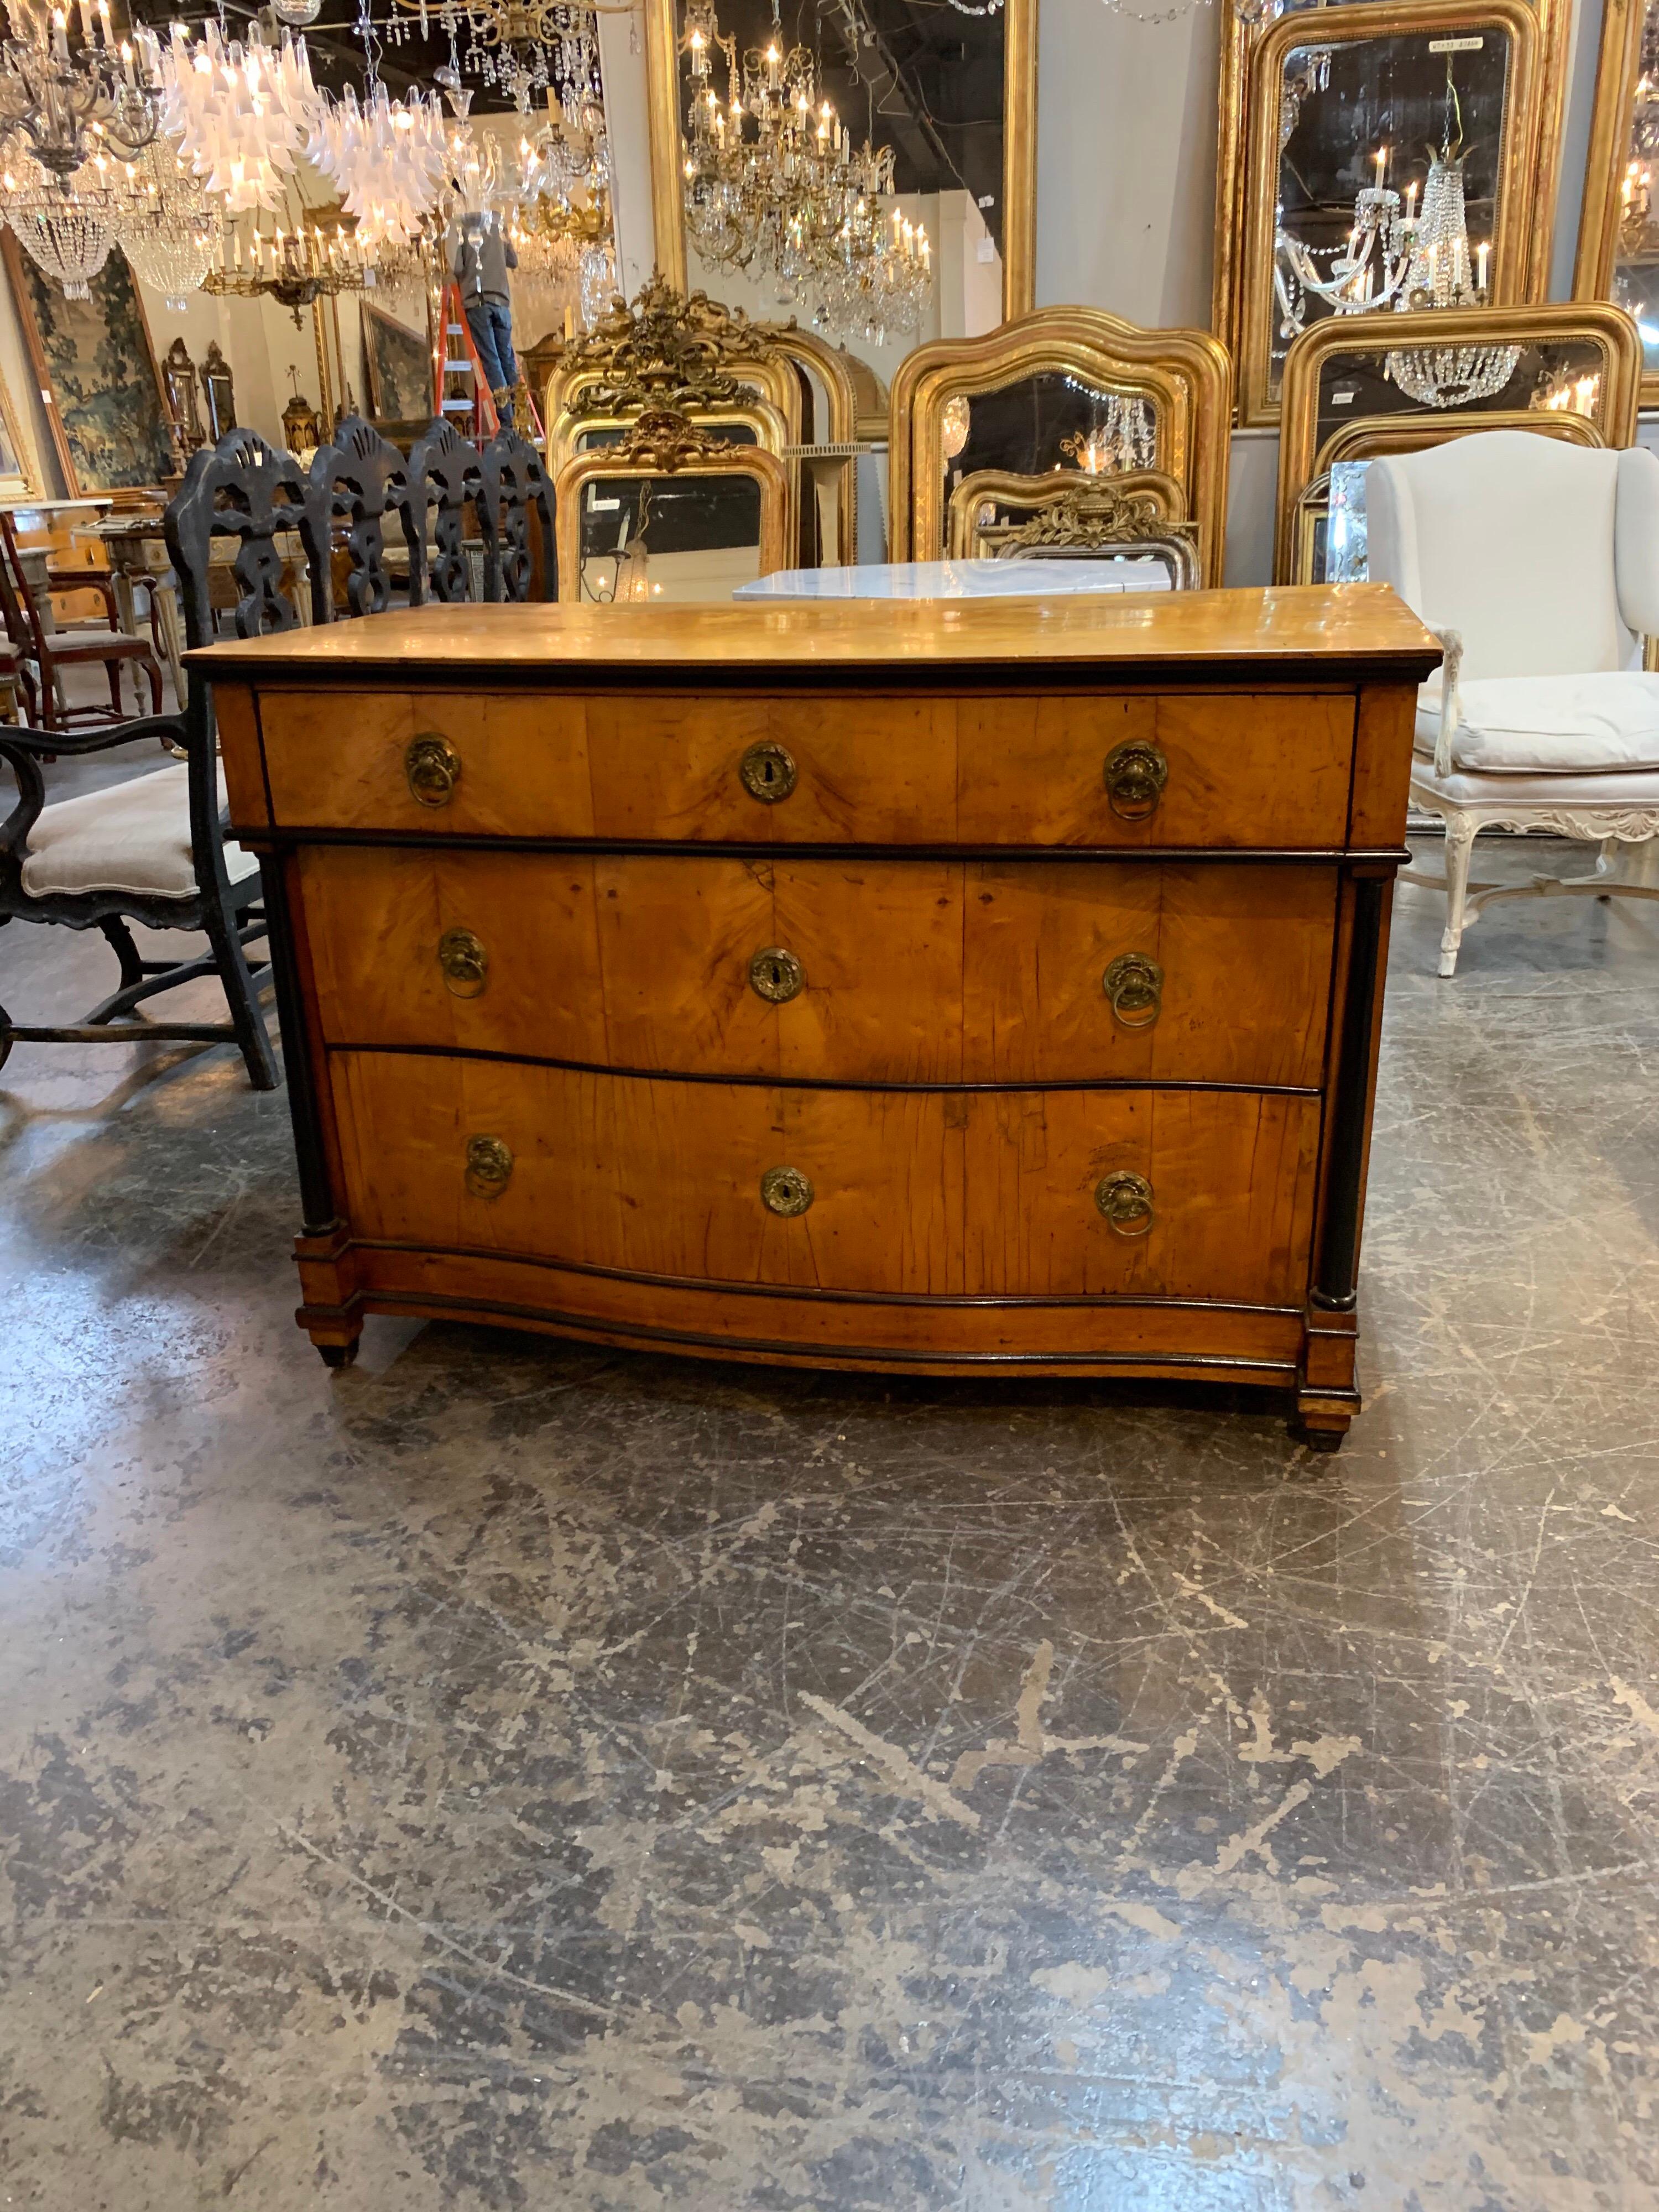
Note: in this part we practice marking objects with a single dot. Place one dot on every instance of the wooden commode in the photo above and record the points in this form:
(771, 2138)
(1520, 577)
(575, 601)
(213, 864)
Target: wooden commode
(937, 987)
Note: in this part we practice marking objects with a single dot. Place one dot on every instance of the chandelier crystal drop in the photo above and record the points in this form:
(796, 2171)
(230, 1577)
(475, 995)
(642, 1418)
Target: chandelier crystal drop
(167, 229)
(242, 114)
(386, 159)
(66, 95)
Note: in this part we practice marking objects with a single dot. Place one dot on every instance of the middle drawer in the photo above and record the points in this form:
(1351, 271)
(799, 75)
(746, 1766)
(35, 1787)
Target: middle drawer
(902, 971)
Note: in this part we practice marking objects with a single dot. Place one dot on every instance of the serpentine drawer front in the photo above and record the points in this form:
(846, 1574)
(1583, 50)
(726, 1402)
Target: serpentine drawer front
(982, 987)
(873, 971)
(916, 1194)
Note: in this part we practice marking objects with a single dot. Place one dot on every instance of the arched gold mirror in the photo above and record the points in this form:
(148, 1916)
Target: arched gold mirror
(935, 109)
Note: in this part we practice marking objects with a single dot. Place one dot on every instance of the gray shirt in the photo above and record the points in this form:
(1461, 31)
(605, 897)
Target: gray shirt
(481, 262)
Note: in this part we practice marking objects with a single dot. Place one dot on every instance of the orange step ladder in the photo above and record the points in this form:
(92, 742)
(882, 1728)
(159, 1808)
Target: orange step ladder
(462, 388)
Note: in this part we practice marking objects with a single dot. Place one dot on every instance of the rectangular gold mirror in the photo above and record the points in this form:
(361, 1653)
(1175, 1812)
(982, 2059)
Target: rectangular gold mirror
(1393, 157)
(868, 168)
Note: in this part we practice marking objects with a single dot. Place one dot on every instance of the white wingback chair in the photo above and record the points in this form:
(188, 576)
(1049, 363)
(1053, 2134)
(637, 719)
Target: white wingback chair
(1538, 562)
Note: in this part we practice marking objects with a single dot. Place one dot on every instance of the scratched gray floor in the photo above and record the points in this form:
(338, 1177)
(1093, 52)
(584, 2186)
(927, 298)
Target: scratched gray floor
(512, 1776)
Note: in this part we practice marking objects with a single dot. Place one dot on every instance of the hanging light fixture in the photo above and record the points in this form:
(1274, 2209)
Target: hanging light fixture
(66, 226)
(242, 114)
(67, 98)
(167, 229)
(386, 159)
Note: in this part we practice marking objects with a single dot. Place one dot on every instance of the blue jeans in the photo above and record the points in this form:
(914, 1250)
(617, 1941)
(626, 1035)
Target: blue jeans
(491, 326)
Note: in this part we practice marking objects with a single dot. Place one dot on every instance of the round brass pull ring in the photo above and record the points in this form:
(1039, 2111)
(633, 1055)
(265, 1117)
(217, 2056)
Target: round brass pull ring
(767, 772)
(786, 1191)
(1134, 985)
(464, 963)
(489, 1166)
(775, 975)
(1136, 773)
(1126, 1200)
(433, 768)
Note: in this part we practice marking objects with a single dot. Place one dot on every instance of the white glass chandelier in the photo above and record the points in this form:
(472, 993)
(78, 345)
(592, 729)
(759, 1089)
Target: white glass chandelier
(386, 159)
(242, 114)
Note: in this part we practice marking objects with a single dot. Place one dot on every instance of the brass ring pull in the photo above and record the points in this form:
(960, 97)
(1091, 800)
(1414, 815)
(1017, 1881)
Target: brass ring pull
(768, 772)
(1134, 987)
(786, 1191)
(433, 768)
(775, 975)
(489, 1166)
(464, 963)
(1126, 1200)
(1136, 773)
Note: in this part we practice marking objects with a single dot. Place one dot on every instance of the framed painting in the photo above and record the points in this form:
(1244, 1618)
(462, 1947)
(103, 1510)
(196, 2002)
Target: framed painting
(16, 476)
(398, 362)
(99, 379)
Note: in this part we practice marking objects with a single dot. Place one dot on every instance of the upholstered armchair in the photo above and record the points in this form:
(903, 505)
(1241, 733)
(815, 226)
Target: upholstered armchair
(1538, 563)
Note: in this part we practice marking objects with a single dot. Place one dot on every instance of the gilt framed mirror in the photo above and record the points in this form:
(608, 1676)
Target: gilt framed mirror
(931, 114)
(1618, 256)
(1361, 386)
(669, 513)
(1393, 152)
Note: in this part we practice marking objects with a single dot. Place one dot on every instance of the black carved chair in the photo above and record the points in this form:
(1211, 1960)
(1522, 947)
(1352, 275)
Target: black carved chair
(363, 478)
(515, 489)
(154, 849)
(446, 471)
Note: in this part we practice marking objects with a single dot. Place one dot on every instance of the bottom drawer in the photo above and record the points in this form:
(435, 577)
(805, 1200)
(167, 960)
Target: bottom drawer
(905, 1194)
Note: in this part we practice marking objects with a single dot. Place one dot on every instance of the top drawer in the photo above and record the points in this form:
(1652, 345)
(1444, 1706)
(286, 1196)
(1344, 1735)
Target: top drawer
(1122, 770)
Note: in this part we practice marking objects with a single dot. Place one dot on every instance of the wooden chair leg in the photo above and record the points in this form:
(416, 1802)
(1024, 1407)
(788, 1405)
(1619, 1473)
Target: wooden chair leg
(1459, 849)
(112, 669)
(247, 1019)
(127, 950)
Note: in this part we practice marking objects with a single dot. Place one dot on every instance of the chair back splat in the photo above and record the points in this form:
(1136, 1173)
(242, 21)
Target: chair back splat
(515, 488)
(446, 470)
(244, 488)
(364, 479)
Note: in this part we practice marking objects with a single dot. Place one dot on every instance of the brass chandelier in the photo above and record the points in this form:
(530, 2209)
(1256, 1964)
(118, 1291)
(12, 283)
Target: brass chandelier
(774, 185)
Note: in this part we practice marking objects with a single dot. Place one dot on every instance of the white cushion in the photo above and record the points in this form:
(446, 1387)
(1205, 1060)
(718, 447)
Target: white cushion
(1639, 788)
(133, 837)
(1549, 725)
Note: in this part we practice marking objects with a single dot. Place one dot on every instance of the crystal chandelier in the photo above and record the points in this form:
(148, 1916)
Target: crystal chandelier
(242, 114)
(66, 226)
(523, 47)
(66, 100)
(795, 200)
(1124, 440)
(386, 159)
(294, 263)
(166, 228)
(1398, 259)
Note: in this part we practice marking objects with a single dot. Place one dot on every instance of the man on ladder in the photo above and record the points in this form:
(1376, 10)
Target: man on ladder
(483, 255)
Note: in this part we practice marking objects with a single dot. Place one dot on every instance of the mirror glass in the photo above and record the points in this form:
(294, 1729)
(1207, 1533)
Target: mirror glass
(669, 539)
(845, 165)
(1388, 181)
(1565, 375)
(1052, 420)
(1636, 249)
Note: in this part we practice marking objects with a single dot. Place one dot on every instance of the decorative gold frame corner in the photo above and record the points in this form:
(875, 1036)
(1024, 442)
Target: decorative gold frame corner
(1302, 458)
(1617, 67)
(1244, 302)
(1185, 374)
(1020, 111)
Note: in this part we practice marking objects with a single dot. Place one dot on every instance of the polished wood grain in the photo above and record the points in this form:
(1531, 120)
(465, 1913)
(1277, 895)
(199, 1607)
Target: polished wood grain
(923, 1193)
(339, 763)
(239, 736)
(927, 972)
(1283, 630)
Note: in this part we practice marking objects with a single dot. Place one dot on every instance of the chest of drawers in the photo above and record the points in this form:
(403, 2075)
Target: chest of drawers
(921, 988)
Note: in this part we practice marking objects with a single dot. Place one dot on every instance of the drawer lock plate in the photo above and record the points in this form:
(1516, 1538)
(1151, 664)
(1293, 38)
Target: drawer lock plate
(489, 1166)
(768, 772)
(775, 975)
(1126, 1200)
(786, 1191)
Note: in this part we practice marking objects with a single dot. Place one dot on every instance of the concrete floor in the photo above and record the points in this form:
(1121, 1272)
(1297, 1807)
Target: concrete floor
(507, 1775)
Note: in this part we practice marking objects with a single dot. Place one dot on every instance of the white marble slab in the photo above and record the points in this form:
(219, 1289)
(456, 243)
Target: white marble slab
(959, 579)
